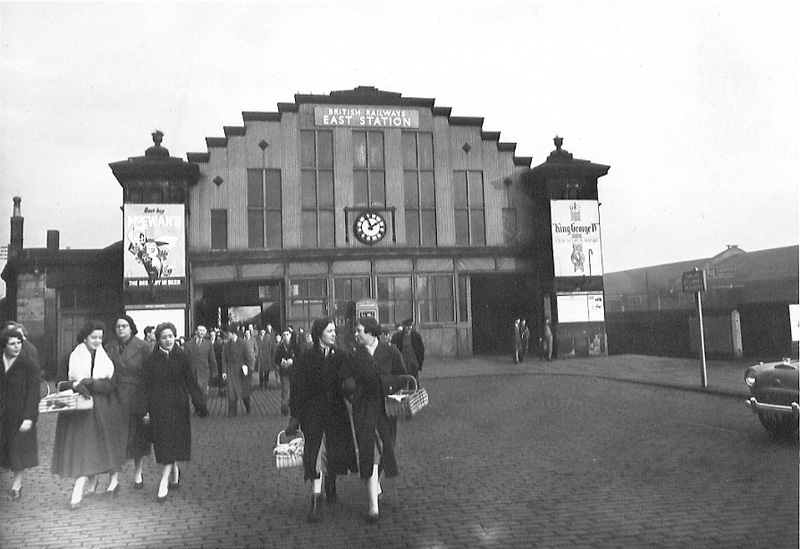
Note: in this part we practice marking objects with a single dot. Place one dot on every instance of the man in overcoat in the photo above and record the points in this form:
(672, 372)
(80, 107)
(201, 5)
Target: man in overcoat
(266, 352)
(411, 346)
(201, 357)
(238, 361)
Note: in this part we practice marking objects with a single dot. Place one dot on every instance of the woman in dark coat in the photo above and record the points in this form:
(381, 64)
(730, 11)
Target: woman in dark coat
(19, 410)
(169, 382)
(91, 442)
(371, 374)
(318, 408)
(129, 353)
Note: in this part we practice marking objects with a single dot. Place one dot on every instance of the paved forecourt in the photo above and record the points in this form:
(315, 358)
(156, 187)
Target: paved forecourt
(474, 472)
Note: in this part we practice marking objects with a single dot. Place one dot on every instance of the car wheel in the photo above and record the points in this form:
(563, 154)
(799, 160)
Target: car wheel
(779, 424)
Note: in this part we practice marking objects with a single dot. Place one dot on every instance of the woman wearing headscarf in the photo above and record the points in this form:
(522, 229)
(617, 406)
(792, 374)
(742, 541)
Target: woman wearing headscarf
(169, 382)
(91, 442)
(129, 353)
(19, 410)
(318, 408)
(371, 374)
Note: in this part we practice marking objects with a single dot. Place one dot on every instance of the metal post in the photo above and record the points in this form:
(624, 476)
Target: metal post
(703, 376)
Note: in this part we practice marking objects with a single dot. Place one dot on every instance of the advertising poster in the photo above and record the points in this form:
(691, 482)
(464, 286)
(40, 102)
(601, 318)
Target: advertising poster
(580, 307)
(154, 247)
(575, 226)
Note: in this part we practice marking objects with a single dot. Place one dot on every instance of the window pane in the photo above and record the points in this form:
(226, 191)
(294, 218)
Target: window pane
(307, 150)
(325, 188)
(360, 149)
(403, 310)
(425, 151)
(410, 190)
(308, 191)
(377, 189)
(376, 149)
(428, 228)
(462, 227)
(360, 189)
(326, 229)
(273, 229)
(444, 310)
(463, 306)
(476, 189)
(255, 229)
(402, 287)
(509, 226)
(422, 287)
(478, 228)
(409, 151)
(427, 189)
(255, 192)
(219, 229)
(460, 189)
(325, 149)
(273, 184)
(310, 229)
(412, 227)
(318, 287)
(383, 287)
(316, 309)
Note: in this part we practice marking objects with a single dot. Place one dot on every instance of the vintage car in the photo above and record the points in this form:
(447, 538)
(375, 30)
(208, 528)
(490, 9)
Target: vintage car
(775, 395)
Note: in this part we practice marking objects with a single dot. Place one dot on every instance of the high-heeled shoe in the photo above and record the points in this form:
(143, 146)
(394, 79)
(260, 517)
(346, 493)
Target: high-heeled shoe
(175, 485)
(115, 492)
(314, 514)
(138, 485)
(162, 499)
(373, 518)
(74, 506)
(14, 495)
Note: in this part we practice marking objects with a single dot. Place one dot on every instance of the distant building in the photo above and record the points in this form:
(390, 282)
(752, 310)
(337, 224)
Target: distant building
(648, 312)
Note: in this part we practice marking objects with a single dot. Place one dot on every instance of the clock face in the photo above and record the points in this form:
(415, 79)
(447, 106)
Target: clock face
(370, 227)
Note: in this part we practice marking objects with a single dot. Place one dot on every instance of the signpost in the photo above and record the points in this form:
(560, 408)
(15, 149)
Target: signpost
(695, 282)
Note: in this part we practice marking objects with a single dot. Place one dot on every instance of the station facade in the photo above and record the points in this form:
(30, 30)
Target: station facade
(364, 202)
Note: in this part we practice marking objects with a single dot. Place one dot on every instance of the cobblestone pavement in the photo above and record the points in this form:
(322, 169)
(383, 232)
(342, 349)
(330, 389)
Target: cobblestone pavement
(508, 461)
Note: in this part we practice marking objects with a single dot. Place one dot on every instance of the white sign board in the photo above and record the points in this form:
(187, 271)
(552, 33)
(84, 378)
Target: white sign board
(580, 307)
(575, 230)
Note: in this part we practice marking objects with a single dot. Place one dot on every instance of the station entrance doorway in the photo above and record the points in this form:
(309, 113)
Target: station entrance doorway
(258, 303)
(497, 299)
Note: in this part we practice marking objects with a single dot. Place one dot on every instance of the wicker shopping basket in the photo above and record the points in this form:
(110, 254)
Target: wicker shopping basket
(64, 401)
(406, 402)
(289, 453)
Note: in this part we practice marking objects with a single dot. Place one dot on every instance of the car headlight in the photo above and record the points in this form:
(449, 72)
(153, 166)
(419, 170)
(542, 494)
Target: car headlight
(750, 380)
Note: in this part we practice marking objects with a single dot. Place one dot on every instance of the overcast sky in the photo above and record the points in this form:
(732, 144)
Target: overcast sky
(693, 104)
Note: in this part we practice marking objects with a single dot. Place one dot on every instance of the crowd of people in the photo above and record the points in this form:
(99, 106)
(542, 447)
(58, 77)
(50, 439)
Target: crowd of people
(143, 391)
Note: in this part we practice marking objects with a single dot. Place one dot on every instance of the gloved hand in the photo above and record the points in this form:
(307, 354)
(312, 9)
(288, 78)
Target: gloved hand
(83, 390)
(202, 412)
(88, 381)
(294, 425)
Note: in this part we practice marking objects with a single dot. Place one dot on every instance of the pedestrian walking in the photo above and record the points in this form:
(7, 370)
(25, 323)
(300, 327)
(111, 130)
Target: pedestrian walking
(128, 353)
(266, 353)
(318, 408)
(251, 341)
(409, 342)
(284, 359)
(547, 339)
(19, 410)
(169, 383)
(201, 357)
(238, 361)
(217, 341)
(521, 338)
(370, 375)
(91, 442)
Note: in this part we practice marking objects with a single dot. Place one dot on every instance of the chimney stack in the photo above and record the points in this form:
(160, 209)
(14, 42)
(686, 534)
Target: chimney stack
(16, 229)
(53, 240)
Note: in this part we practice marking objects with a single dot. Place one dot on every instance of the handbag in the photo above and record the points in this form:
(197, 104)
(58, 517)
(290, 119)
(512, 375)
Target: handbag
(289, 453)
(406, 402)
(65, 401)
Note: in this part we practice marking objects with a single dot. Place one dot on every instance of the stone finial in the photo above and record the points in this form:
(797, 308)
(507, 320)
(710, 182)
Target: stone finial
(558, 142)
(17, 210)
